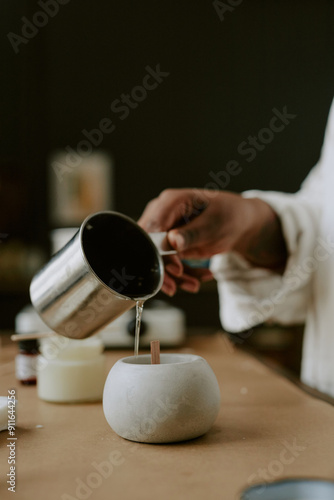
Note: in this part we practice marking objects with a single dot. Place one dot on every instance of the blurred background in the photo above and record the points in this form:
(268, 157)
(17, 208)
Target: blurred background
(224, 67)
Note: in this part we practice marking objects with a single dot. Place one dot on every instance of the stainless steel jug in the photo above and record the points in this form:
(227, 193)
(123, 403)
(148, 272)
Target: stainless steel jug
(108, 265)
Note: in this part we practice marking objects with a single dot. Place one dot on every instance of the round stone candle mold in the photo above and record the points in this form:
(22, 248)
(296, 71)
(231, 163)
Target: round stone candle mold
(70, 371)
(175, 400)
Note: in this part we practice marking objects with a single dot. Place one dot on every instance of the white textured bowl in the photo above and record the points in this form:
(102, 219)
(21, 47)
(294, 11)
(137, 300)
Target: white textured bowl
(178, 399)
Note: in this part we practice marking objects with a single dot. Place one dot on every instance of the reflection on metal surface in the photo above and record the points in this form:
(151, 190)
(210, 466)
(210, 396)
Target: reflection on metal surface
(100, 273)
(291, 489)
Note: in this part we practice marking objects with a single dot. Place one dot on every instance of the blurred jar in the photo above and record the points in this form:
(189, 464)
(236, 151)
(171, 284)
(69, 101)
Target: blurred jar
(71, 371)
(79, 185)
(28, 321)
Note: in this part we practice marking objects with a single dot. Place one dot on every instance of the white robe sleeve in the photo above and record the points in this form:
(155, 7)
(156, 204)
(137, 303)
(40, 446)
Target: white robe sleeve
(248, 295)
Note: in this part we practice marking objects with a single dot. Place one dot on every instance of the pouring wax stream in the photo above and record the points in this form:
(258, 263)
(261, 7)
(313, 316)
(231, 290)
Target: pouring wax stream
(139, 313)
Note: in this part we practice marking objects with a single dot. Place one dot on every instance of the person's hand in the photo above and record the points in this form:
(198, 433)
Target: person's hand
(179, 275)
(202, 223)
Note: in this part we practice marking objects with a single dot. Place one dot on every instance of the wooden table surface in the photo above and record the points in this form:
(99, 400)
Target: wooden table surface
(267, 429)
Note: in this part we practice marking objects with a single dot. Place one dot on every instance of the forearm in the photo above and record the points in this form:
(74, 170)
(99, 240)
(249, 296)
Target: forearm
(262, 243)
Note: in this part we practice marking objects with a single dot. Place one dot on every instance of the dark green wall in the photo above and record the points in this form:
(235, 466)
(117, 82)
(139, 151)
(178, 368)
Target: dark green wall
(225, 79)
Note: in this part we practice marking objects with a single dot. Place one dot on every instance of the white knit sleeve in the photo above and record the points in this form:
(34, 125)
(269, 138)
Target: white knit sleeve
(249, 296)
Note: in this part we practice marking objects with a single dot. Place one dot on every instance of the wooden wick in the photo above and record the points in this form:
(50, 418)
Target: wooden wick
(155, 352)
(30, 336)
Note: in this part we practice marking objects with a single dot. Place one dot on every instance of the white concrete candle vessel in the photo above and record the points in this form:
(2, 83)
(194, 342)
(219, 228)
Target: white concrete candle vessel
(175, 400)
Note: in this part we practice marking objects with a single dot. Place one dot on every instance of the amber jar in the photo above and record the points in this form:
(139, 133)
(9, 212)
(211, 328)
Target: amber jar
(26, 362)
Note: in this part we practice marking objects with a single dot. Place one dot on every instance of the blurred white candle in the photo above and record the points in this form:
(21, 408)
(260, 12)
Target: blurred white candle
(70, 371)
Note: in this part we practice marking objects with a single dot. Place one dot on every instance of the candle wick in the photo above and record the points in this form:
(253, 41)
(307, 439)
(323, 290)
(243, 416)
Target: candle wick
(155, 352)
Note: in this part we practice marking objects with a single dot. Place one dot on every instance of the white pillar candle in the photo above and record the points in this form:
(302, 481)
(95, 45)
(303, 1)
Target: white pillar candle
(70, 371)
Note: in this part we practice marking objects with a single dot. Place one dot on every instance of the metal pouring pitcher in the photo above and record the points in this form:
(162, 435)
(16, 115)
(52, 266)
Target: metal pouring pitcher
(108, 265)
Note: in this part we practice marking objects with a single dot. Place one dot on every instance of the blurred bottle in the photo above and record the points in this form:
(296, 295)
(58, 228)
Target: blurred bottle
(26, 362)
(79, 186)
(28, 321)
